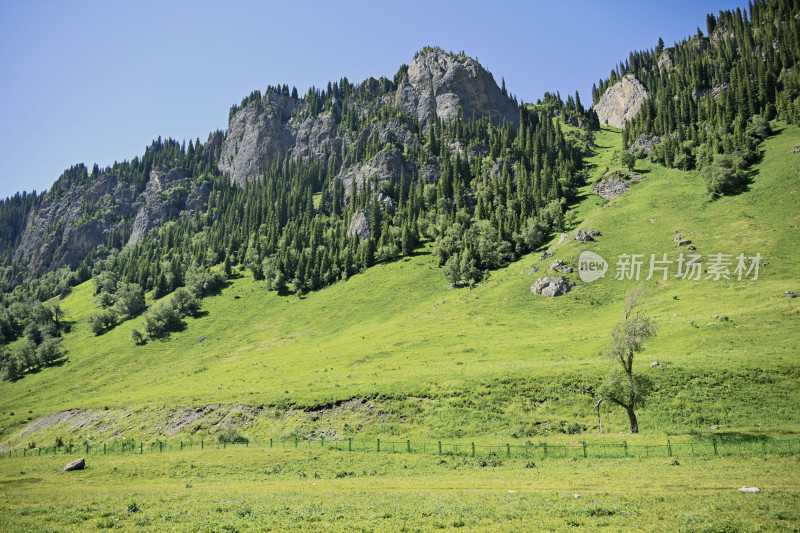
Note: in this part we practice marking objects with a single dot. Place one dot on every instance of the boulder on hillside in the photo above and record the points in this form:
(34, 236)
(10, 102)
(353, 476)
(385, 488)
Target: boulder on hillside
(621, 102)
(586, 236)
(645, 144)
(78, 464)
(610, 188)
(552, 286)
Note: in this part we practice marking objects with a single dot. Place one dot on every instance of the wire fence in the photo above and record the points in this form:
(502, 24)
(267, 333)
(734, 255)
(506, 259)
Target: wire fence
(542, 450)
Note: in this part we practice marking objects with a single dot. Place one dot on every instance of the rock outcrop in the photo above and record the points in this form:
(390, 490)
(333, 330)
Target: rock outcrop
(387, 165)
(552, 286)
(257, 135)
(621, 102)
(645, 144)
(610, 188)
(665, 60)
(73, 219)
(438, 82)
(586, 236)
(359, 226)
(167, 196)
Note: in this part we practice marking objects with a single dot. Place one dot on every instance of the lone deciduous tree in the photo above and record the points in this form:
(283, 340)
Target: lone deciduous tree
(622, 386)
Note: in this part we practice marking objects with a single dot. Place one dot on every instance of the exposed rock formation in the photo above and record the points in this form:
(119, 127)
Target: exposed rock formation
(645, 143)
(74, 219)
(258, 134)
(715, 91)
(438, 82)
(621, 102)
(665, 60)
(164, 198)
(610, 188)
(552, 286)
(359, 225)
(586, 236)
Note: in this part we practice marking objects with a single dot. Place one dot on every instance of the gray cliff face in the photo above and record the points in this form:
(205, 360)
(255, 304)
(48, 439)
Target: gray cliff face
(439, 82)
(621, 102)
(70, 224)
(257, 135)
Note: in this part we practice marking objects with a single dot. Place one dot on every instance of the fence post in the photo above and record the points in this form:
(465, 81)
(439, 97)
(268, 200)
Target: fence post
(440, 447)
(322, 442)
(350, 444)
(584, 449)
(270, 443)
(141, 447)
(295, 442)
(224, 444)
(24, 452)
(123, 447)
(379, 444)
(544, 450)
(473, 449)
(508, 450)
(625, 446)
(714, 443)
(39, 450)
(161, 446)
(408, 445)
(764, 445)
(669, 448)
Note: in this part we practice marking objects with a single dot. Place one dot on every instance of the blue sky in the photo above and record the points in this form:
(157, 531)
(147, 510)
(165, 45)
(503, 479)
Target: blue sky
(97, 81)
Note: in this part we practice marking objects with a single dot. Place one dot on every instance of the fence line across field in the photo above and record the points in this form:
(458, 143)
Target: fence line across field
(542, 450)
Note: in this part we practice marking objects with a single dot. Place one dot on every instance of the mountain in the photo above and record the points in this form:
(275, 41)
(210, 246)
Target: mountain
(438, 166)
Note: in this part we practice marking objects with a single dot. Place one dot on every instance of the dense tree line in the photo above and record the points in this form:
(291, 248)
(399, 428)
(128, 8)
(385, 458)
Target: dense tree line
(712, 106)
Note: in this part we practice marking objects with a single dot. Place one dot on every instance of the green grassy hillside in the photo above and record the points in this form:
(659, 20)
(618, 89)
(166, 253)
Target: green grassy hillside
(395, 351)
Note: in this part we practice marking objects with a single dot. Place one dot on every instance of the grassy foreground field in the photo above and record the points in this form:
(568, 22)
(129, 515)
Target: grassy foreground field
(318, 490)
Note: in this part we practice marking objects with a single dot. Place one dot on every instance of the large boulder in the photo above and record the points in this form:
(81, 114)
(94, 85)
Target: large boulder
(552, 286)
(78, 464)
(621, 102)
(438, 82)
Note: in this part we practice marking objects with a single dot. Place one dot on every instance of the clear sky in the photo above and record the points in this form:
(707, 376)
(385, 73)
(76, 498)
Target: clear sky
(96, 81)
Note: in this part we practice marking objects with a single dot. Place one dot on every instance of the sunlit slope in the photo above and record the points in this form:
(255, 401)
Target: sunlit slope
(398, 331)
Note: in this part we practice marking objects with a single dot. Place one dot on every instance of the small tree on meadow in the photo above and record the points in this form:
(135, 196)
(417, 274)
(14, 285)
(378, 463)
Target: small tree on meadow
(622, 386)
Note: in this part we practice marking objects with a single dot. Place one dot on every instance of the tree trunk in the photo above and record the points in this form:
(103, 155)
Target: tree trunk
(632, 419)
(599, 421)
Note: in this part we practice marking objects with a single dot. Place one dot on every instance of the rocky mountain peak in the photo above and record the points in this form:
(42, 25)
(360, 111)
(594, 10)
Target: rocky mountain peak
(438, 82)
